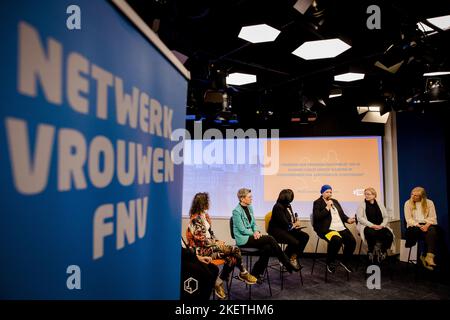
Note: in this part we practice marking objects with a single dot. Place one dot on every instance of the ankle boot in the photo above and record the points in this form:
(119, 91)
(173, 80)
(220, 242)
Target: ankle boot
(430, 259)
(294, 261)
(425, 263)
(286, 262)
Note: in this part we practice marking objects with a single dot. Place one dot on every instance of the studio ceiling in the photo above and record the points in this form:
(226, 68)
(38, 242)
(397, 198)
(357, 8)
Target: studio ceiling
(206, 33)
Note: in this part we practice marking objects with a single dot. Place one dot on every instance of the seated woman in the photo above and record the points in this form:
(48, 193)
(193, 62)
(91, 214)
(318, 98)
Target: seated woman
(201, 237)
(246, 234)
(202, 270)
(421, 222)
(285, 227)
(372, 225)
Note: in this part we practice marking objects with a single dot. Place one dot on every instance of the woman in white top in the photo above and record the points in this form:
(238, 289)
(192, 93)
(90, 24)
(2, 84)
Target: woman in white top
(421, 221)
(372, 225)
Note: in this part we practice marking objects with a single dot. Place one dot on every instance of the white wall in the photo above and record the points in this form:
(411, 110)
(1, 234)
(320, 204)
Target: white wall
(391, 168)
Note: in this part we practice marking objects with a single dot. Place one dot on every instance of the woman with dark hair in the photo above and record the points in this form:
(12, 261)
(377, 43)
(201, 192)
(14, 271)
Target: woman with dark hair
(285, 227)
(201, 237)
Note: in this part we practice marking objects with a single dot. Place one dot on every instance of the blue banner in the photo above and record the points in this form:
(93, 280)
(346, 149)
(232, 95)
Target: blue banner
(90, 197)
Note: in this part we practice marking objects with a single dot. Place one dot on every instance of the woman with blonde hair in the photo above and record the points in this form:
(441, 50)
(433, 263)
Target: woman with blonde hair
(421, 222)
(201, 237)
(372, 225)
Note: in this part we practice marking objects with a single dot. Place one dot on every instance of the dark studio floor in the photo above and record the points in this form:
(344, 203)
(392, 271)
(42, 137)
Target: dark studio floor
(399, 281)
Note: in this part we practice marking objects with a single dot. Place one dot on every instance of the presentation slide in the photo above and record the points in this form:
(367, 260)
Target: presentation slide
(222, 167)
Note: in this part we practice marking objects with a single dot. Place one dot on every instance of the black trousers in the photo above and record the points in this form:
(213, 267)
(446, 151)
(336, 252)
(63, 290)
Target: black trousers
(384, 236)
(414, 233)
(268, 247)
(295, 239)
(335, 243)
(205, 274)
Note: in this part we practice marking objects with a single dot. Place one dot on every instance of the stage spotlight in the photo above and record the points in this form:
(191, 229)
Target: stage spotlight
(436, 90)
(264, 114)
(303, 116)
(226, 117)
(214, 96)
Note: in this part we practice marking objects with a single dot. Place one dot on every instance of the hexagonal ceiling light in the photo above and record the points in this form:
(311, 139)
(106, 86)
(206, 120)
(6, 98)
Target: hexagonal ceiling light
(321, 49)
(239, 79)
(259, 33)
(349, 76)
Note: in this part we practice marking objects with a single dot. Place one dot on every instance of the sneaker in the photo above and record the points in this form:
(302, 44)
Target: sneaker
(346, 266)
(331, 267)
(220, 291)
(247, 278)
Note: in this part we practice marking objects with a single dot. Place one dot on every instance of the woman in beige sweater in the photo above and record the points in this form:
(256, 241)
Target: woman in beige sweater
(421, 221)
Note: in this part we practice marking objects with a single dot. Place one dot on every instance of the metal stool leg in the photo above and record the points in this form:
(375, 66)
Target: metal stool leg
(314, 257)
(301, 276)
(268, 281)
(250, 287)
(229, 282)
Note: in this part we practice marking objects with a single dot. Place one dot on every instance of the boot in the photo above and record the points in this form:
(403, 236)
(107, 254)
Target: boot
(429, 259)
(425, 263)
(294, 262)
(287, 263)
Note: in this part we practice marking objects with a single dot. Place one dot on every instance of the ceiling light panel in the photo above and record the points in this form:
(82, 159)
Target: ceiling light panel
(375, 117)
(259, 33)
(442, 22)
(321, 49)
(437, 73)
(239, 79)
(349, 76)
